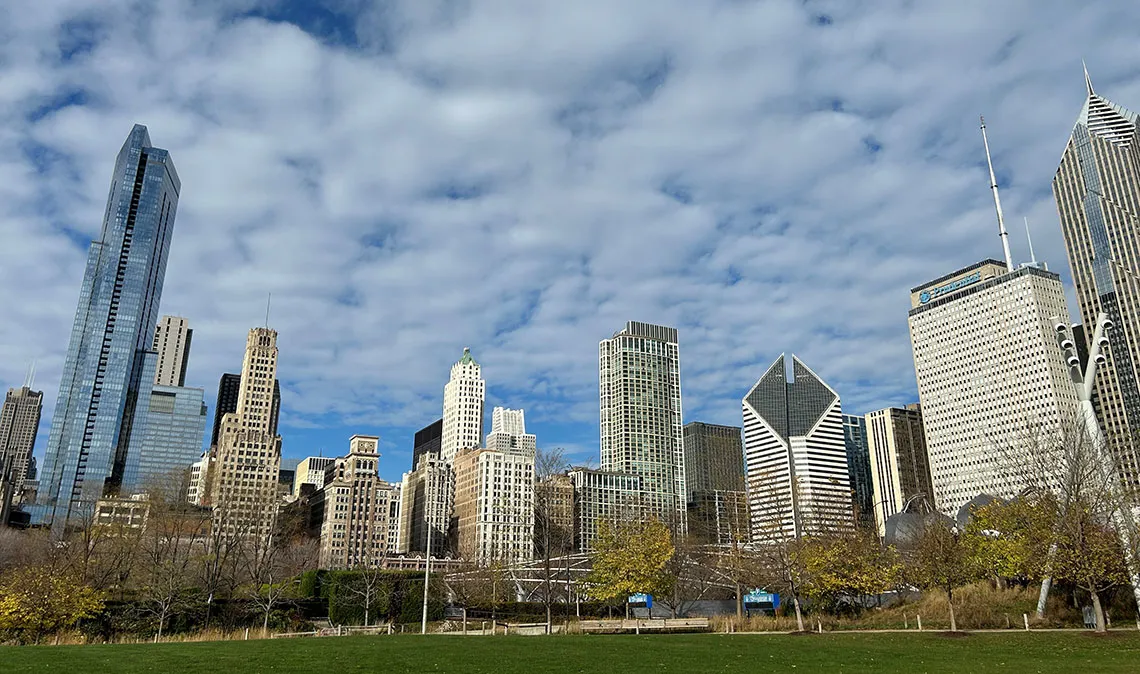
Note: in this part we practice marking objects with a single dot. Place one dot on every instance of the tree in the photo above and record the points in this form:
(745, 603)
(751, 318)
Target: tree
(368, 587)
(631, 557)
(553, 519)
(845, 565)
(39, 600)
(174, 535)
(691, 570)
(273, 563)
(943, 560)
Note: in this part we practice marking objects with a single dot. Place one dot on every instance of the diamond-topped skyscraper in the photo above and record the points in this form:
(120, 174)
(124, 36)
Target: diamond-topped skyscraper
(109, 370)
(1097, 190)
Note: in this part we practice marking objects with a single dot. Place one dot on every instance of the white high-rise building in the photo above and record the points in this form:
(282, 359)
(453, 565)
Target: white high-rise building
(992, 379)
(172, 343)
(311, 470)
(508, 432)
(795, 455)
(494, 493)
(247, 460)
(640, 416)
(463, 398)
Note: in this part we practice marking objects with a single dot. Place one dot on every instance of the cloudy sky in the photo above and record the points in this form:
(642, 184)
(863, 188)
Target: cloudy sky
(409, 177)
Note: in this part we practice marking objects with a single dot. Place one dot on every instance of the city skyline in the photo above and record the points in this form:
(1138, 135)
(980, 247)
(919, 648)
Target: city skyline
(369, 353)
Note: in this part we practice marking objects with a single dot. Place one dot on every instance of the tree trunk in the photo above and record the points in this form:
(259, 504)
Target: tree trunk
(739, 602)
(366, 615)
(950, 603)
(1098, 612)
(265, 624)
(799, 612)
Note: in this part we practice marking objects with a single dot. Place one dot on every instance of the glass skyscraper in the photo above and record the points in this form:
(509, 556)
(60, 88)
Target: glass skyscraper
(108, 374)
(175, 428)
(1097, 190)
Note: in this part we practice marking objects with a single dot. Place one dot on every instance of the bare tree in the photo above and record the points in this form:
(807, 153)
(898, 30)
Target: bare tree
(273, 563)
(174, 535)
(553, 520)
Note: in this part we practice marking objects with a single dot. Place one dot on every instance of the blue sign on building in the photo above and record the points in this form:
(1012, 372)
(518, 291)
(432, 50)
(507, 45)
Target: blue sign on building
(758, 600)
(934, 293)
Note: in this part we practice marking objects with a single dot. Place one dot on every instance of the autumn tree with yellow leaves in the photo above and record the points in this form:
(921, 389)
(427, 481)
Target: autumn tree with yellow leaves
(631, 556)
(40, 600)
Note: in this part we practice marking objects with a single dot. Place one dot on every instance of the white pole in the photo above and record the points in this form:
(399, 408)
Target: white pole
(997, 202)
(427, 579)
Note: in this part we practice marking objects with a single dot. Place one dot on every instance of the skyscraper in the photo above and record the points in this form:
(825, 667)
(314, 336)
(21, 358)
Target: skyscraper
(352, 509)
(19, 425)
(795, 454)
(639, 372)
(494, 493)
(1097, 190)
(172, 344)
(859, 467)
(228, 388)
(426, 498)
(462, 408)
(175, 429)
(714, 475)
(109, 369)
(247, 459)
(508, 432)
(714, 458)
(900, 468)
(992, 380)
(428, 440)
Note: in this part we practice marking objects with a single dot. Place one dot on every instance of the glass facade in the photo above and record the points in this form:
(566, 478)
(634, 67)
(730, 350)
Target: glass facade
(1097, 191)
(108, 373)
(175, 428)
(859, 466)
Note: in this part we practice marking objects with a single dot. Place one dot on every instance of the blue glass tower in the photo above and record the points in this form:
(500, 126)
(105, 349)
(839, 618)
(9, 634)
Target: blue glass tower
(108, 375)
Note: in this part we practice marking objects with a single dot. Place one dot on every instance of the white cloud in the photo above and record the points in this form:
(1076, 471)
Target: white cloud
(762, 182)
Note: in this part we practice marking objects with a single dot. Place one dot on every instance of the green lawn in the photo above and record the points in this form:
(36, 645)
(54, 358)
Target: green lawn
(693, 654)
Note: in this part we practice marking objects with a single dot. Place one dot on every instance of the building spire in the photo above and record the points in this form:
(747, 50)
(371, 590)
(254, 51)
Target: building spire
(997, 201)
(30, 379)
(1088, 81)
(268, 301)
(1029, 237)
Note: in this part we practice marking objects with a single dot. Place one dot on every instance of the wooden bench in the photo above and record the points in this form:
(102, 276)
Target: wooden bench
(639, 625)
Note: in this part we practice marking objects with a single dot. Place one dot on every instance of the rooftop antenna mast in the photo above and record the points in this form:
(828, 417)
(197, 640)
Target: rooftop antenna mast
(1029, 237)
(30, 380)
(268, 301)
(997, 201)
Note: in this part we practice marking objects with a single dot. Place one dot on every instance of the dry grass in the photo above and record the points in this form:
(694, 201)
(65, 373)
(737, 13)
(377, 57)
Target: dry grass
(978, 606)
(78, 639)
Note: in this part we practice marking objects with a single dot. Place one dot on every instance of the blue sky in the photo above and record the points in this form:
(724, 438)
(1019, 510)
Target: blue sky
(524, 176)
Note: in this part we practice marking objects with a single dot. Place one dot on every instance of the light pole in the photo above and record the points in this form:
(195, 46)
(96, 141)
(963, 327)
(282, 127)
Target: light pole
(427, 575)
(1122, 515)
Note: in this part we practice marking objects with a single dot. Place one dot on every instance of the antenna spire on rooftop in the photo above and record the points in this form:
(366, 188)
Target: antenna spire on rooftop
(1029, 237)
(268, 301)
(1088, 81)
(997, 201)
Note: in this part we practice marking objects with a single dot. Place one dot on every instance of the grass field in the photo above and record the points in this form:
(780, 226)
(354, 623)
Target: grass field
(693, 653)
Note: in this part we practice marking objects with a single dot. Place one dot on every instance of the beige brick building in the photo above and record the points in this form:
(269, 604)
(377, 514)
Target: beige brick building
(352, 509)
(245, 464)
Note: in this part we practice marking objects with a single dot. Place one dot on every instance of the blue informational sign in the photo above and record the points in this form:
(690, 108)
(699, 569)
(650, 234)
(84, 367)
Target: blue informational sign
(641, 598)
(761, 599)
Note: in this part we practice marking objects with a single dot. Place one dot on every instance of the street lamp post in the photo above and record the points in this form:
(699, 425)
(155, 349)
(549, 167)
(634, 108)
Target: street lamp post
(1123, 516)
(427, 576)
